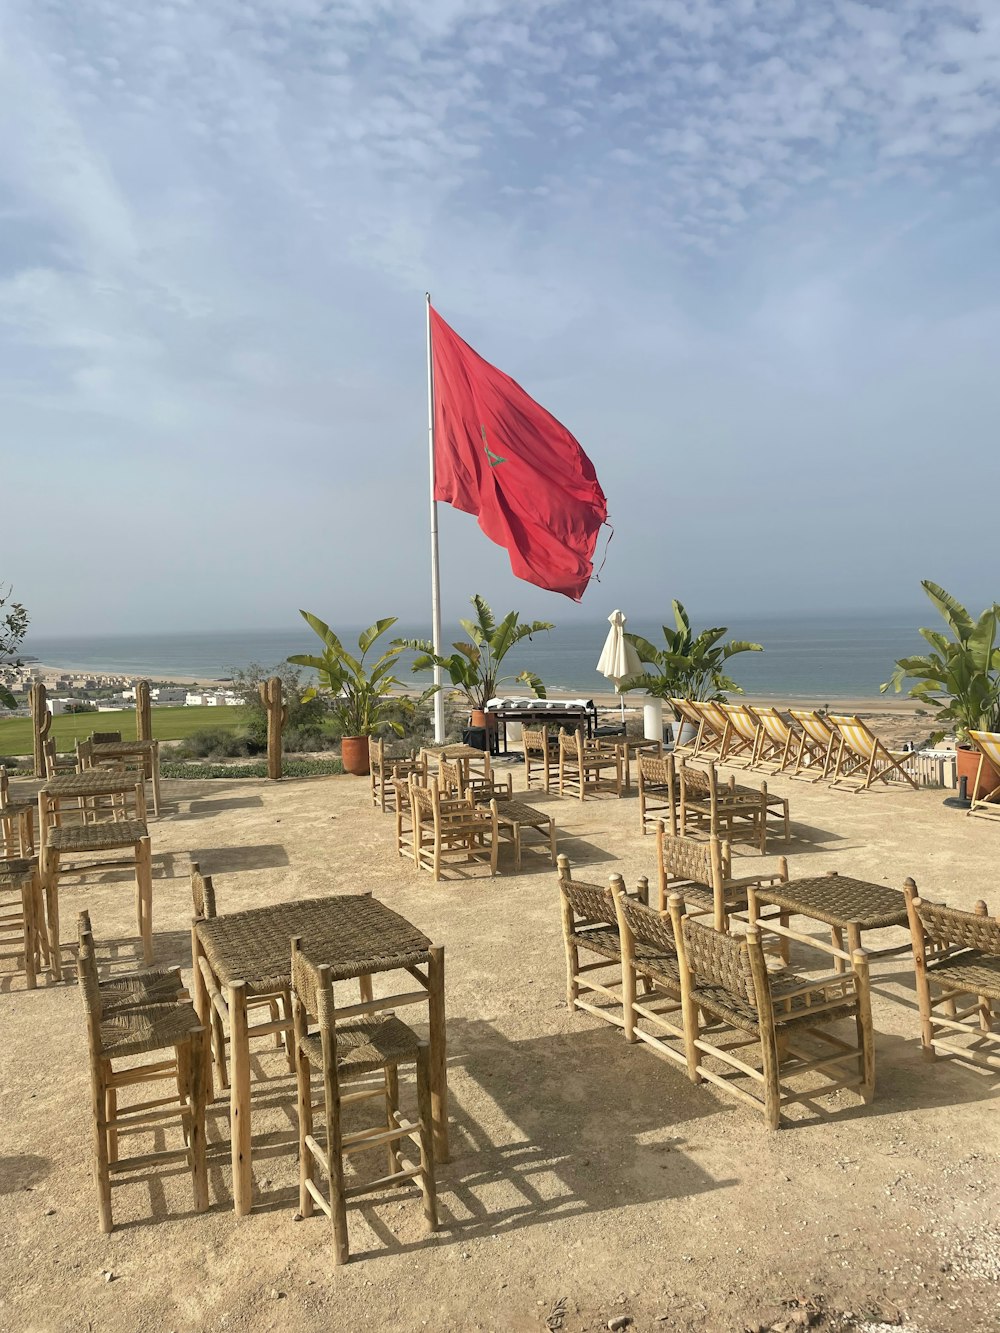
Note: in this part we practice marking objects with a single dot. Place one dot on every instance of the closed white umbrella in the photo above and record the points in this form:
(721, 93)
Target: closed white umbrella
(618, 660)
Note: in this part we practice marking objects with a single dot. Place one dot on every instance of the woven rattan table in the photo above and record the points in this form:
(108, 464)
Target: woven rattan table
(149, 751)
(248, 953)
(842, 903)
(93, 782)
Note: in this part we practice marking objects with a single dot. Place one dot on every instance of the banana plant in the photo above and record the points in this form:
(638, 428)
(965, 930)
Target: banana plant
(960, 676)
(687, 667)
(361, 700)
(474, 667)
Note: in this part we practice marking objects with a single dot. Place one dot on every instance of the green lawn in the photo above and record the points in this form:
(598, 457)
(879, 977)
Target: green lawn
(169, 724)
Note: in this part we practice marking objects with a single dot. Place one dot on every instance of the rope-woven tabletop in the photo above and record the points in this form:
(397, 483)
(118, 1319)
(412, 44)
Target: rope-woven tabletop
(110, 749)
(94, 782)
(354, 933)
(839, 900)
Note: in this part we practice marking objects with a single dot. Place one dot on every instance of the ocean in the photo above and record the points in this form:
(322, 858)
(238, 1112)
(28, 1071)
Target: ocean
(805, 657)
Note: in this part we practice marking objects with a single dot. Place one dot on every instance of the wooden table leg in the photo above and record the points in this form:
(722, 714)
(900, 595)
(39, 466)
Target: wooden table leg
(439, 1052)
(239, 1048)
(156, 778)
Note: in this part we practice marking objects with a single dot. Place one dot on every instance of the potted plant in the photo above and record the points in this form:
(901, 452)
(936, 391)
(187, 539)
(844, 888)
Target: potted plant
(474, 668)
(360, 693)
(687, 667)
(959, 678)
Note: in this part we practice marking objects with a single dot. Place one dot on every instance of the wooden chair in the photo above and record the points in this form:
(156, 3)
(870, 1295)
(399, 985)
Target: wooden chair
(725, 979)
(776, 740)
(537, 755)
(727, 809)
(702, 873)
(90, 840)
(57, 764)
(590, 924)
(714, 731)
(384, 768)
(988, 745)
(278, 1003)
(816, 745)
(121, 1030)
(341, 1051)
(455, 781)
(649, 956)
(956, 957)
(583, 765)
(658, 790)
(742, 736)
(22, 916)
(17, 821)
(862, 758)
(444, 829)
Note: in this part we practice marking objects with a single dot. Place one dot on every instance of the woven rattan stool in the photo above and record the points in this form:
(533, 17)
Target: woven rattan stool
(348, 1050)
(122, 1025)
(22, 915)
(89, 840)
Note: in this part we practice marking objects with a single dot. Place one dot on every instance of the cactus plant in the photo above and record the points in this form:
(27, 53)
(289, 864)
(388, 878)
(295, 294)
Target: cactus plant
(41, 720)
(144, 720)
(277, 717)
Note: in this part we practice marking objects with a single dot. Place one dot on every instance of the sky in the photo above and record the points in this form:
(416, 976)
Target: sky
(748, 251)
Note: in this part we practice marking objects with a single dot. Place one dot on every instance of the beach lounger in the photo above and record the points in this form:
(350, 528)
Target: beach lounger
(714, 727)
(739, 745)
(689, 716)
(988, 745)
(816, 745)
(776, 740)
(862, 758)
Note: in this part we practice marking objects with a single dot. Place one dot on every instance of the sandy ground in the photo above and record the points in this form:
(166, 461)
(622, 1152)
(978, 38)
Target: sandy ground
(590, 1181)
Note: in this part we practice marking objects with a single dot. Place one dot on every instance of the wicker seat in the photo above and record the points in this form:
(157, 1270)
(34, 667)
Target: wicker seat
(725, 809)
(590, 924)
(658, 790)
(649, 954)
(956, 957)
(340, 1051)
(22, 915)
(443, 830)
(127, 990)
(725, 978)
(90, 840)
(587, 767)
(127, 1031)
(278, 1003)
(385, 769)
(17, 821)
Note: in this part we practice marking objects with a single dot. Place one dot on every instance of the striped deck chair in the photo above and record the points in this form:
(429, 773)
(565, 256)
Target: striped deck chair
(988, 745)
(862, 757)
(711, 731)
(776, 741)
(739, 746)
(686, 711)
(816, 745)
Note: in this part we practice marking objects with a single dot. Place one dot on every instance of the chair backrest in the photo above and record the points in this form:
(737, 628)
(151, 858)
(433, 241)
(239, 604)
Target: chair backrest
(376, 755)
(948, 926)
(690, 861)
(773, 723)
(49, 754)
(717, 959)
(423, 800)
(713, 714)
(202, 892)
(4, 787)
(649, 927)
(571, 745)
(741, 720)
(700, 782)
(855, 733)
(687, 710)
(590, 904)
(656, 770)
(813, 724)
(451, 777)
(86, 972)
(988, 743)
(312, 985)
(535, 741)
(105, 737)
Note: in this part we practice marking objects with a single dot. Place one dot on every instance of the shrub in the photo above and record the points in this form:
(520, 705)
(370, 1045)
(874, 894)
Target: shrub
(293, 768)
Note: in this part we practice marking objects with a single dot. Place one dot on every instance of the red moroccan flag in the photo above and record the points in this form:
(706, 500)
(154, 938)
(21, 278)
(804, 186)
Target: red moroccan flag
(501, 456)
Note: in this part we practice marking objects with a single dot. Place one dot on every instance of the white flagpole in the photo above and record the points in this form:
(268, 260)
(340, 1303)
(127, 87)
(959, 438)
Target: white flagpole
(435, 565)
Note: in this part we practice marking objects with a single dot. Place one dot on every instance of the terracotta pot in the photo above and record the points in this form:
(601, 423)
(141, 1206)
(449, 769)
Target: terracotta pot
(483, 719)
(354, 754)
(967, 766)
